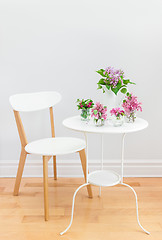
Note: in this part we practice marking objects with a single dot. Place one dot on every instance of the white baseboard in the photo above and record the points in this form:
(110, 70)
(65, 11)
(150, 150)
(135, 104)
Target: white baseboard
(132, 168)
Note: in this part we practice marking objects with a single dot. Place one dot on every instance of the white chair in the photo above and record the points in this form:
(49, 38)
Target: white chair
(48, 147)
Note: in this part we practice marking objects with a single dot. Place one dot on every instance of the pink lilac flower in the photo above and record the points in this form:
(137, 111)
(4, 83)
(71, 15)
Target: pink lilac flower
(131, 104)
(99, 111)
(117, 112)
(84, 104)
(89, 104)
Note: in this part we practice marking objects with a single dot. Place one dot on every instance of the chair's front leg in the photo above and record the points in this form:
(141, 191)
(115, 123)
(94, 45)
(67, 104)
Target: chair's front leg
(83, 162)
(20, 171)
(45, 183)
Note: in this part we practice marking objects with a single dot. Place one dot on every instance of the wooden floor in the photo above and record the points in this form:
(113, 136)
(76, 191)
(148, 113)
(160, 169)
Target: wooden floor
(111, 217)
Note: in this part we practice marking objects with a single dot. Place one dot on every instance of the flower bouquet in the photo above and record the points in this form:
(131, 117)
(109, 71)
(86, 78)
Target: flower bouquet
(131, 106)
(84, 105)
(99, 114)
(118, 116)
(113, 79)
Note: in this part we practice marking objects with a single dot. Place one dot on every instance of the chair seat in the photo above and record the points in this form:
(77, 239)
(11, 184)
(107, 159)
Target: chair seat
(55, 146)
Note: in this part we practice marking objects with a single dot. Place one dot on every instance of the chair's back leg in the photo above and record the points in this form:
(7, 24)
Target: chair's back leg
(83, 162)
(54, 167)
(20, 171)
(45, 183)
(53, 135)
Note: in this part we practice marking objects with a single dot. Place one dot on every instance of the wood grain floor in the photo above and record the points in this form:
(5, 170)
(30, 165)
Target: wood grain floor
(111, 217)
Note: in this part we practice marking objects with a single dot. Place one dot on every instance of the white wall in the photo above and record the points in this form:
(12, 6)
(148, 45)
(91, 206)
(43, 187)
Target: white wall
(58, 45)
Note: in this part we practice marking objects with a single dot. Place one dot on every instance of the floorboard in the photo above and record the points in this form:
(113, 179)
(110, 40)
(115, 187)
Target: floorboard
(111, 216)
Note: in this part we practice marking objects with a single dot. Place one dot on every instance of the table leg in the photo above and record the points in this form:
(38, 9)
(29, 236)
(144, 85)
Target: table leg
(86, 139)
(72, 210)
(136, 208)
(101, 160)
(122, 161)
(122, 156)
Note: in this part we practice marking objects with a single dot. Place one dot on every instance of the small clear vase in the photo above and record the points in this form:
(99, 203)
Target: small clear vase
(130, 118)
(118, 121)
(99, 122)
(85, 114)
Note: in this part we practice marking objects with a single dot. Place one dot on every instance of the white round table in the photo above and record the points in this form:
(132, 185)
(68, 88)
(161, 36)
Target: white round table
(104, 178)
(76, 124)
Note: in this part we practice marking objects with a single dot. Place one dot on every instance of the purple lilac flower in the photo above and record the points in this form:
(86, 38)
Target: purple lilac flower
(114, 76)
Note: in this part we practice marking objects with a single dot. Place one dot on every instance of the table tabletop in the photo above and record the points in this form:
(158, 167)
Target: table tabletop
(75, 123)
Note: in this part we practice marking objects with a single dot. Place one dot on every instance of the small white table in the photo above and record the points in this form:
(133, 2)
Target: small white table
(104, 178)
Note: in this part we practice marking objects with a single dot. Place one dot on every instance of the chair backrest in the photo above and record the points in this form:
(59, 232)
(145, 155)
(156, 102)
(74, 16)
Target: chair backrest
(28, 102)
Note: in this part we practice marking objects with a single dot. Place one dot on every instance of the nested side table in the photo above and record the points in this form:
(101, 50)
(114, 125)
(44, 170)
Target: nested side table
(104, 178)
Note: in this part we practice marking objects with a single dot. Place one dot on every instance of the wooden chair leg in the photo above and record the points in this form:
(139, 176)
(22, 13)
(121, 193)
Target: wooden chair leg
(83, 162)
(54, 168)
(45, 184)
(20, 171)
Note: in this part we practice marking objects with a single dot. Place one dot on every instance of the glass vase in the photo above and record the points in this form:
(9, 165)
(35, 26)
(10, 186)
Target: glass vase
(99, 122)
(85, 114)
(118, 121)
(130, 118)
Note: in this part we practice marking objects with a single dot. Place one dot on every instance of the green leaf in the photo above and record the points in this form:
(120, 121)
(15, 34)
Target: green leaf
(106, 75)
(115, 90)
(119, 84)
(123, 90)
(101, 81)
(99, 86)
(108, 87)
(95, 112)
(126, 81)
(101, 72)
